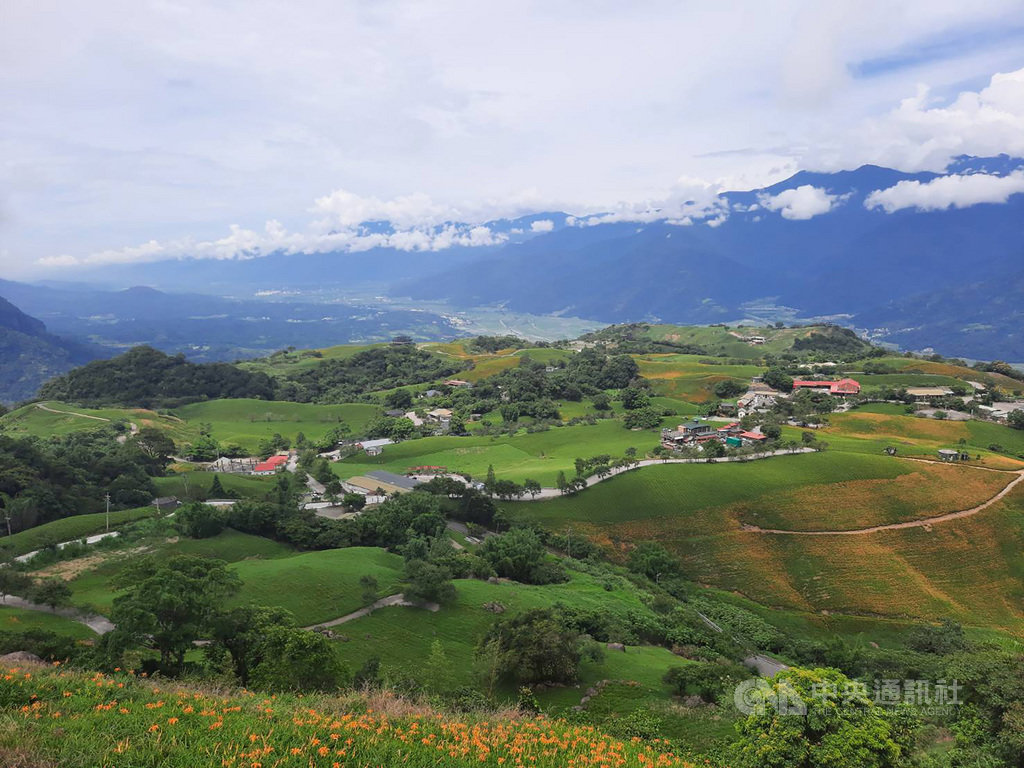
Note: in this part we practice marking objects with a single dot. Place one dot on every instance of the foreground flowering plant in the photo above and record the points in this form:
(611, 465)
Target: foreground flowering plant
(119, 720)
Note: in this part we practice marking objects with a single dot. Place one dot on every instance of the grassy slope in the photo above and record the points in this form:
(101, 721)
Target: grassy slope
(970, 569)
(684, 377)
(93, 589)
(318, 586)
(173, 726)
(18, 620)
(34, 421)
(246, 486)
(67, 529)
(402, 637)
(246, 422)
(540, 455)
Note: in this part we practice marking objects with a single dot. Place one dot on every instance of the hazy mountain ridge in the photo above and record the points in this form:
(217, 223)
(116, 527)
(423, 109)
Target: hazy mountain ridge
(29, 355)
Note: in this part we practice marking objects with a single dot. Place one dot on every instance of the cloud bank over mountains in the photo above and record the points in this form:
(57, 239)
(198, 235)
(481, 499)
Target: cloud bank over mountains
(141, 131)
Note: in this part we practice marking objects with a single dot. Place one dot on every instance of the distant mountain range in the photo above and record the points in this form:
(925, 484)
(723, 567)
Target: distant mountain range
(916, 259)
(949, 279)
(29, 355)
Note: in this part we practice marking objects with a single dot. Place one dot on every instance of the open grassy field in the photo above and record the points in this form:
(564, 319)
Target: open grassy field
(92, 589)
(246, 486)
(540, 455)
(246, 422)
(68, 529)
(53, 418)
(402, 637)
(19, 620)
(684, 377)
(318, 586)
(725, 342)
(823, 491)
(971, 569)
(914, 365)
(873, 427)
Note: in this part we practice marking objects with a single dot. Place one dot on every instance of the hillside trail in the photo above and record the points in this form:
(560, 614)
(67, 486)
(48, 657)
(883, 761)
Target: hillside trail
(42, 407)
(923, 523)
(384, 602)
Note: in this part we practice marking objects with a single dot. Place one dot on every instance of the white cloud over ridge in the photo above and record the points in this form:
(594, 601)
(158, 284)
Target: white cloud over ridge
(953, 191)
(160, 123)
(800, 203)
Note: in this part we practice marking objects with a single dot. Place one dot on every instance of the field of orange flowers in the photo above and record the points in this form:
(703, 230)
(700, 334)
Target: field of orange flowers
(78, 720)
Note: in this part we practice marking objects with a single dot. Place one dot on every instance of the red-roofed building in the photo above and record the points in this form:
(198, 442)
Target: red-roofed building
(752, 437)
(841, 387)
(270, 466)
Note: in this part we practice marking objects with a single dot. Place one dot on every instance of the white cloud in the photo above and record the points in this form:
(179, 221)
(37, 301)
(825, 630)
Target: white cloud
(922, 134)
(803, 202)
(133, 122)
(955, 191)
(542, 225)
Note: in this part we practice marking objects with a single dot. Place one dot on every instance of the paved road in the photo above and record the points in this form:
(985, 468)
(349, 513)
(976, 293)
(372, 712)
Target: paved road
(98, 624)
(384, 602)
(554, 493)
(88, 540)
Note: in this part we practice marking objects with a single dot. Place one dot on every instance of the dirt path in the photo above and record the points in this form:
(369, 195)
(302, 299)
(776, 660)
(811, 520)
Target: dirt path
(70, 413)
(384, 602)
(924, 523)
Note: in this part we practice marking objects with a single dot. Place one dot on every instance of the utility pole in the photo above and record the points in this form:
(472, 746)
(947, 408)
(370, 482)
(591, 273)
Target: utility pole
(107, 497)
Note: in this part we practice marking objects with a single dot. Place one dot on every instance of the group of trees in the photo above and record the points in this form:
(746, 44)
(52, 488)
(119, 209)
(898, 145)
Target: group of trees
(348, 379)
(147, 378)
(168, 606)
(41, 481)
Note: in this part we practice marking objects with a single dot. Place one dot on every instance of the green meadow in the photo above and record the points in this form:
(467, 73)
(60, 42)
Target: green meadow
(246, 422)
(68, 529)
(537, 455)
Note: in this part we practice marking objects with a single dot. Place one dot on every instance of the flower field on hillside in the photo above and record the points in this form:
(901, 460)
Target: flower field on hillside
(80, 720)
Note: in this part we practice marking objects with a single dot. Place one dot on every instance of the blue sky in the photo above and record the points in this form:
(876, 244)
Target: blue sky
(142, 129)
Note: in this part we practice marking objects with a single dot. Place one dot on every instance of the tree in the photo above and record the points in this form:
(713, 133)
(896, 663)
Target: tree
(241, 632)
(713, 449)
(652, 560)
(354, 501)
(534, 647)
(707, 680)
(490, 481)
(438, 671)
(532, 487)
(154, 444)
(601, 402)
(369, 586)
(199, 521)
(169, 605)
(14, 583)
(777, 378)
(642, 418)
(216, 489)
(561, 483)
(1016, 419)
(520, 555)
(817, 719)
(399, 399)
(634, 398)
(428, 583)
(52, 592)
(293, 659)
(729, 388)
